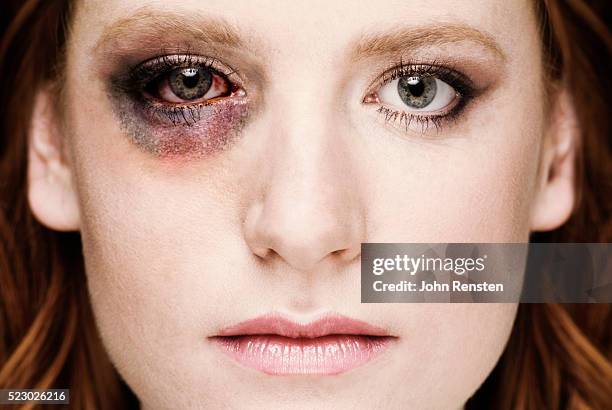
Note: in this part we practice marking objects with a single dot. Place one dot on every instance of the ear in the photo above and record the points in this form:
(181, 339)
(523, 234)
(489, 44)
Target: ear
(51, 194)
(555, 196)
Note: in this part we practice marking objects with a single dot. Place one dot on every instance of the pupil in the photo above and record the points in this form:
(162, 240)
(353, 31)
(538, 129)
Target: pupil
(416, 89)
(191, 78)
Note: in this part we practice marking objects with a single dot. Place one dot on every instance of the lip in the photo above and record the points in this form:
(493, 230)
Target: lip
(277, 345)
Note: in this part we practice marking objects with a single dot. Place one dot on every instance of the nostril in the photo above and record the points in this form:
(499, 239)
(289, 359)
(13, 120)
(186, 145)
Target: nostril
(348, 254)
(261, 252)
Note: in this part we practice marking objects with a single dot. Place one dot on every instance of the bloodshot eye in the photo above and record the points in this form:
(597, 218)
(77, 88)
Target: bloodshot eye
(188, 85)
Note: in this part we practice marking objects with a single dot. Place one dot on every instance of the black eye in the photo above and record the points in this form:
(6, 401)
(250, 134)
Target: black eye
(417, 91)
(190, 83)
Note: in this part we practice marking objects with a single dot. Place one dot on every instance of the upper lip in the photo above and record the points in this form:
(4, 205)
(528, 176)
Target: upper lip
(276, 324)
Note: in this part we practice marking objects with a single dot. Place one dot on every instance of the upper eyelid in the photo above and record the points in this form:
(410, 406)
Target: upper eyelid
(148, 69)
(436, 69)
(133, 80)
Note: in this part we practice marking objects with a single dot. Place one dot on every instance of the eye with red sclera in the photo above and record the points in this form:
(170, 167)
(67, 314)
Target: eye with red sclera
(178, 86)
(188, 85)
(181, 105)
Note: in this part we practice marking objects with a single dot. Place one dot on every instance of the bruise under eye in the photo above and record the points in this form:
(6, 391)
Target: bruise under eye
(183, 131)
(180, 106)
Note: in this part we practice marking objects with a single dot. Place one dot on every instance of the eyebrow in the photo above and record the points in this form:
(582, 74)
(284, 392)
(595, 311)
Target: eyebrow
(152, 28)
(371, 45)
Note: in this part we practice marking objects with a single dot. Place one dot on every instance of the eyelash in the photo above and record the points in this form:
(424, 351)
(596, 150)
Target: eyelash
(153, 70)
(188, 114)
(461, 84)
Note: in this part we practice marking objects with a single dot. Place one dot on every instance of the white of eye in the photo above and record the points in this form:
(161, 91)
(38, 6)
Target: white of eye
(445, 95)
(217, 88)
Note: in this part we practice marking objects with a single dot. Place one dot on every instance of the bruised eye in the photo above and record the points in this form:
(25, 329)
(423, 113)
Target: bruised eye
(189, 85)
(419, 93)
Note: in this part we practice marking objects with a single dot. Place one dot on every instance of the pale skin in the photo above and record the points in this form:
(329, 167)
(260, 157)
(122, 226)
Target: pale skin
(178, 248)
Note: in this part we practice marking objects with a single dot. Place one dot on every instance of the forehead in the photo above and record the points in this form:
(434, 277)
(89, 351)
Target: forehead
(322, 25)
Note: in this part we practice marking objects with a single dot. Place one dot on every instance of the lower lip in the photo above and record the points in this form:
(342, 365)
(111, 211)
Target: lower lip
(325, 355)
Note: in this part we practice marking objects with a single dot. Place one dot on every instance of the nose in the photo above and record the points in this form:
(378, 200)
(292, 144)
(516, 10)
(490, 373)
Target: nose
(309, 211)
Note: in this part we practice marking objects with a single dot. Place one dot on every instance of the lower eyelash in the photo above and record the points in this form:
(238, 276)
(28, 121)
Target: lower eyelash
(186, 115)
(132, 84)
(176, 115)
(454, 78)
(399, 116)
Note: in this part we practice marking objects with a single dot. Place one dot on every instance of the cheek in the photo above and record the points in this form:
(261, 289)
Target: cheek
(471, 184)
(154, 278)
(450, 348)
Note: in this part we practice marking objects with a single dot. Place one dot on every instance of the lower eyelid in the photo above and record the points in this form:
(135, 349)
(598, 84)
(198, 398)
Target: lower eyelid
(406, 121)
(170, 133)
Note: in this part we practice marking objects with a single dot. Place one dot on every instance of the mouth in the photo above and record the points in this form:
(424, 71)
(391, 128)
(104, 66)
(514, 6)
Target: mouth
(278, 346)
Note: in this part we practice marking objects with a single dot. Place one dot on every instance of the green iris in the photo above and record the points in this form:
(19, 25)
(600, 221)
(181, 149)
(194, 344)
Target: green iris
(190, 83)
(417, 91)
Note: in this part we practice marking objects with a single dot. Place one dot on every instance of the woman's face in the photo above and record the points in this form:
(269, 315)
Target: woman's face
(229, 158)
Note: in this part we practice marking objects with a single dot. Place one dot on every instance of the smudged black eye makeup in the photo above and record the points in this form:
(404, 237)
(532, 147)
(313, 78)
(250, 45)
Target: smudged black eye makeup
(190, 105)
(180, 104)
(179, 86)
(421, 94)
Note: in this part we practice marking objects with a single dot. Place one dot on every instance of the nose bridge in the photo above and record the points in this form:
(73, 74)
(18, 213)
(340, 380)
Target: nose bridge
(309, 209)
